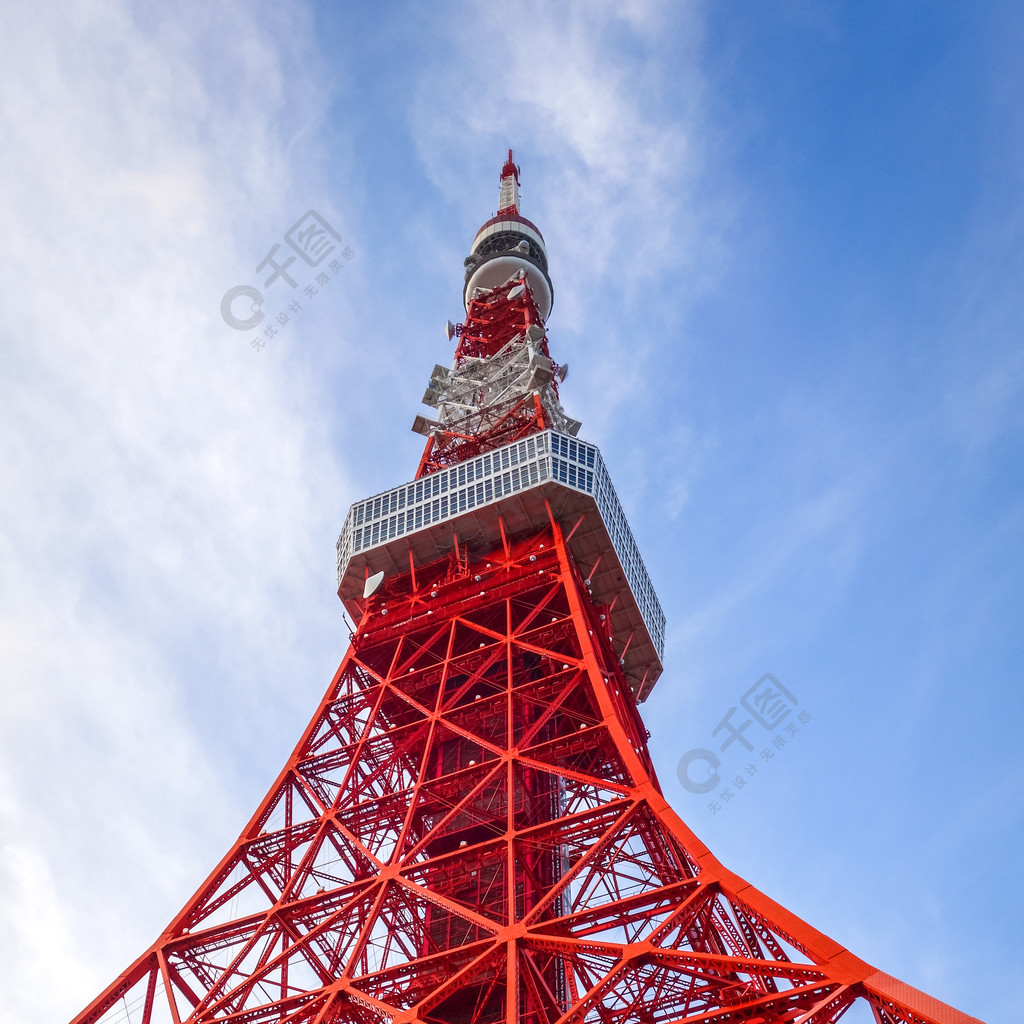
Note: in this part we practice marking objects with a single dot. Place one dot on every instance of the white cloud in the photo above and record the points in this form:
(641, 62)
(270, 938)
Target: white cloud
(166, 496)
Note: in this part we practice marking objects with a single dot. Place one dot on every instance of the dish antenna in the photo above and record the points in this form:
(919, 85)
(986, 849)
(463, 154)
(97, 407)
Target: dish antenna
(372, 583)
(514, 293)
(562, 372)
(449, 329)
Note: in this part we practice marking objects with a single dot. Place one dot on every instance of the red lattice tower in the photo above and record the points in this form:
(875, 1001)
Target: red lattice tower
(470, 830)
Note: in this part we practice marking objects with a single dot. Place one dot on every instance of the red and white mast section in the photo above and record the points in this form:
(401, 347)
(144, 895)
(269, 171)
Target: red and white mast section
(508, 197)
(502, 384)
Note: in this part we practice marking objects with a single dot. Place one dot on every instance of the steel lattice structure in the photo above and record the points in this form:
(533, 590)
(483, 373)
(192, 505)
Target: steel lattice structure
(470, 830)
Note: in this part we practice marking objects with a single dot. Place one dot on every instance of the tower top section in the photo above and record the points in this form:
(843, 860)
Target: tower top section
(506, 245)
(508, 196)
(502, 461)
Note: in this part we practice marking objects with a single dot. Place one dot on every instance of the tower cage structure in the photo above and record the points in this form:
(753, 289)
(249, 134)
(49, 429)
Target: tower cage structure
(470, 829)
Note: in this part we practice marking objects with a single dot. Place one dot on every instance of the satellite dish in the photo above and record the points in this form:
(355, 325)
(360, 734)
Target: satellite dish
(563, 372)
(514, 293)
(523, 246)
(372, 583)
(449, 329)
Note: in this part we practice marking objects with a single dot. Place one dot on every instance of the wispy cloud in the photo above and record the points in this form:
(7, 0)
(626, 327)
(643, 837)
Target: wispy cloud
(165, 498)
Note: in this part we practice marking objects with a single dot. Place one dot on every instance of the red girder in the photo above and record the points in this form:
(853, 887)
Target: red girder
(491, 323)
(449, 448)
(493, 320)
(469, 831)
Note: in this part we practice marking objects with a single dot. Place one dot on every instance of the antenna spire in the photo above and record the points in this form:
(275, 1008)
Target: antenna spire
(508, 196)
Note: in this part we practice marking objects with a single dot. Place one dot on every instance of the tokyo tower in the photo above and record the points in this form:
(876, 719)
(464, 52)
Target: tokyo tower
(470, 830)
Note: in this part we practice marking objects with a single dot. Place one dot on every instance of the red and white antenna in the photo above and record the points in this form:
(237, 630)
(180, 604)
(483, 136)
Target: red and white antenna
(508, 196)
(508, 244)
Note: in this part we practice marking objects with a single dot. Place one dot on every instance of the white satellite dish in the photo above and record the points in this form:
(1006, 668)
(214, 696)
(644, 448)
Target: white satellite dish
(563, 372)
(449, 329)
(514, 293)
(372, 583)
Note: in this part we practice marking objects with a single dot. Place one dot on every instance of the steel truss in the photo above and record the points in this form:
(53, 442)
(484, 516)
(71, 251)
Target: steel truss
(470, 831)
(502, 385)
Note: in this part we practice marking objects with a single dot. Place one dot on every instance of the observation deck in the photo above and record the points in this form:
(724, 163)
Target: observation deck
(514, 481)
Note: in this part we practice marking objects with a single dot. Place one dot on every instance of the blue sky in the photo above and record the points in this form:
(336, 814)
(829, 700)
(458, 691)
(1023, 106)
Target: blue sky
(787, 253)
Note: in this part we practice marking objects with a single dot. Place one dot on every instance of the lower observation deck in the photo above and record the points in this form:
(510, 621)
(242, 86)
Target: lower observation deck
(514, 482)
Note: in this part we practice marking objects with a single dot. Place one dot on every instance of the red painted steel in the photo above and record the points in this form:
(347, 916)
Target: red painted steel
(490, 325)
(470, 830)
